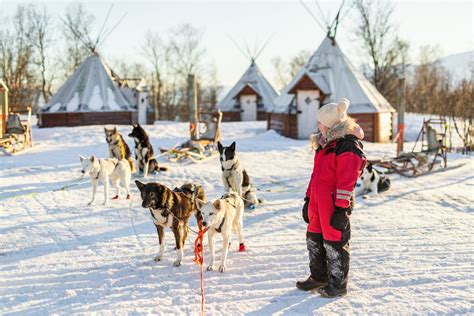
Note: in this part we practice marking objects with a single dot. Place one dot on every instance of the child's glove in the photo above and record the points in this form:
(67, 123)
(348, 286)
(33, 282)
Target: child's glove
(340, 218)
(305, 210)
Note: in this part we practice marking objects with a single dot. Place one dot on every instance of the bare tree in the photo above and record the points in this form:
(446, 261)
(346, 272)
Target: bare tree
(42, 38)
(157, 55)
(16, 52)
(77, 33)
(185, 45)
(285, 71)
(379, 39)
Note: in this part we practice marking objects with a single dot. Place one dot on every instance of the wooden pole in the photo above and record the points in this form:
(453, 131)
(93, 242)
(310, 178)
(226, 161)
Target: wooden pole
(193, 108)
(401, 115)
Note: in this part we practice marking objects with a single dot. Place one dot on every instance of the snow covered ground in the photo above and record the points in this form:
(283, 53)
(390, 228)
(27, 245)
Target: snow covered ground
(412, 248)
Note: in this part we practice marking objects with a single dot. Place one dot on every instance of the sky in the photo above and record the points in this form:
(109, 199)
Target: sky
(448, 24)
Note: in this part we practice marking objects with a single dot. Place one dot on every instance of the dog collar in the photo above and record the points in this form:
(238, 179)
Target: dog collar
(219, 229)
(231, 167)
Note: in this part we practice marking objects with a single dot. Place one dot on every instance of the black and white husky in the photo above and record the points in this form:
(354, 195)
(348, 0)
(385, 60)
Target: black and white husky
(371, 182)
(144, 151)
(234, 176)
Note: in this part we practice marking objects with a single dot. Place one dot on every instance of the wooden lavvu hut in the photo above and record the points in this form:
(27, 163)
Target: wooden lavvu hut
(92, 95)
(327, 77)
(249, 98)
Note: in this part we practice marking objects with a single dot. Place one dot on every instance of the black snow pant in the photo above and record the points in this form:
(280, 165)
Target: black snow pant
(329, 260)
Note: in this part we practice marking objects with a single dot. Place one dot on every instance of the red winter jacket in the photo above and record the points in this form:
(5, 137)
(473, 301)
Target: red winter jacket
(336, 169)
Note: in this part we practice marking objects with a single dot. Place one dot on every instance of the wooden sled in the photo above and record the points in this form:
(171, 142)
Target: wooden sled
(18, 134)
(202, 149)
(433, 153)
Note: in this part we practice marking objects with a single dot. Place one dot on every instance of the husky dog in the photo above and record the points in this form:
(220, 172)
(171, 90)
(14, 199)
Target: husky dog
(195, 192)
(144, 151)
(234, 176)
(371, 182)
(118, 148)
(221, 216)
(171, 209)
(101, 170)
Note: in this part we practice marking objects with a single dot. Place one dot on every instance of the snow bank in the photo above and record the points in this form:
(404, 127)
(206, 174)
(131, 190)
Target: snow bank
(411, 247)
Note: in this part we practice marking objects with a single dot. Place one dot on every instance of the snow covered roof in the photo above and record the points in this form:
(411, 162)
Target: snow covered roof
(89, 88)
(254, 79)
(337, 78)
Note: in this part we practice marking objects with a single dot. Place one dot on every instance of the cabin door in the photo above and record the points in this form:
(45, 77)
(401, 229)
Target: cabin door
(307, 103)
(248, 105)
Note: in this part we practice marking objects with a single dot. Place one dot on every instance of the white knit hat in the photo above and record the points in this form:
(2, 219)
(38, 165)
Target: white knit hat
(333, 113)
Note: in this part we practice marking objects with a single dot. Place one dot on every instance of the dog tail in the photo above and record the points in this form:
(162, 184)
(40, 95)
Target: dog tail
(131, 161)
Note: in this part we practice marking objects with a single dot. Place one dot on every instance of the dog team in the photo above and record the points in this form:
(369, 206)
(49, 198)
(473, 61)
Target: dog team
(172, 208)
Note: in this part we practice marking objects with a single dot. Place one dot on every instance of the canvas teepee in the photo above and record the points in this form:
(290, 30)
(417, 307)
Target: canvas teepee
(89, 88)
(329, 76)
(336, 77)
(252, 93)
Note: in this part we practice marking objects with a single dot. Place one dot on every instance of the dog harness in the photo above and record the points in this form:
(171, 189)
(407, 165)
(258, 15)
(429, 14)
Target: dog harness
(219, 229)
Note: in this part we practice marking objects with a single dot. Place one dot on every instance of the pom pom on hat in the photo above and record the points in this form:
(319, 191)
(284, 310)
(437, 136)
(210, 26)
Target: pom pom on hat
(333, 113)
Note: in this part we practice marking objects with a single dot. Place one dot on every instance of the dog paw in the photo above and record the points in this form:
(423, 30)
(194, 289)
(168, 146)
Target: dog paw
(222, 269)
(177, 263)
(115, 197)
(157, 258)
(210, 268)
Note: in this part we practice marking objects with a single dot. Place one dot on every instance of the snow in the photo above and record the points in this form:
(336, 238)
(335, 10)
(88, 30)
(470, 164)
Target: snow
(411, 247)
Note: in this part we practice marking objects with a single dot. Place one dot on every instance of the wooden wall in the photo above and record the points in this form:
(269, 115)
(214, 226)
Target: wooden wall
(284, 124)
(377, 126)
(367, 122)
(233, 116)
(90, 118)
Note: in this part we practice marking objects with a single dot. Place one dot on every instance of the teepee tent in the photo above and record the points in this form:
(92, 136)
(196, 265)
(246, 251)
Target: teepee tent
(89, 96)
(93, 94)
(89, 88)
(327, 77)
(249, 98)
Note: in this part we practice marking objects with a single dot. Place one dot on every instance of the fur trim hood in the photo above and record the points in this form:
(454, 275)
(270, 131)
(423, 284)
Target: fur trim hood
(346, 127)
(339, 130)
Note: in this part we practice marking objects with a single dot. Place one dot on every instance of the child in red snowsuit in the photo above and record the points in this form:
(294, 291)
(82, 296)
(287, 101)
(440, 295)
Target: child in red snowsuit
(338, 162)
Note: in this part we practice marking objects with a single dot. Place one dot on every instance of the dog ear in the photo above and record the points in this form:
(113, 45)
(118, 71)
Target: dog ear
(232, 146)
(217, 204)
(115, 129)
(140, 185)
(105, 129)
(92, 158)
(199, 204)
(220, 147)
(82, 158)
(369, 167)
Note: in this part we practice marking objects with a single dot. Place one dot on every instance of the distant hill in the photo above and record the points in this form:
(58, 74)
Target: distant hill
(460, 66)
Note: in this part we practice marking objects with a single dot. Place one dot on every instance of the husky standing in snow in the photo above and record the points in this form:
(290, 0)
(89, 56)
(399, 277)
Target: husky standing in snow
(222, 216)
(118, 148)
(144, 151)
(234, 176)
(101, 170)
(171, 209)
